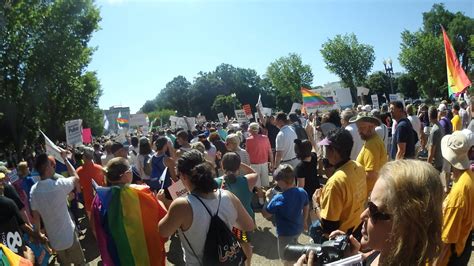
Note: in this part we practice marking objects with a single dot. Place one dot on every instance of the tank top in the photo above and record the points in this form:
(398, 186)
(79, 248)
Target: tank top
(241, 190)
(196, 234)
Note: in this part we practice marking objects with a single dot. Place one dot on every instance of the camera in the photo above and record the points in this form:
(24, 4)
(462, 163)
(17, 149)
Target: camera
(328, 251)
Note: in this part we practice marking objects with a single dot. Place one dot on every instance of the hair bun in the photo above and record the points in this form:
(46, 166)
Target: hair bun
(297, 141)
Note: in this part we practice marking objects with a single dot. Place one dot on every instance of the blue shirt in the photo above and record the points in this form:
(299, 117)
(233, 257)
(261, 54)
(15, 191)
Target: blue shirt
(404, 134)
(288, 210)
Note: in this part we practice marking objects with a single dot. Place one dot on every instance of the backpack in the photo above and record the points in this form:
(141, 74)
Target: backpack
(147, 164)
(221, 246)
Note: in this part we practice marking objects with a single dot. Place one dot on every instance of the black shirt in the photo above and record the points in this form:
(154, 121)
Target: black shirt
(10, 192)
(308, 171)
(404, 133)
(272, 133)
(9, 209)
(10, 222)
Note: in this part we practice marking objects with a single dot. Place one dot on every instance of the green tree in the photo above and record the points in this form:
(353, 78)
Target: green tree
(43, 60)
(348, 59)
(408, 86)
(378, 82)
(287, 75)
(225, 104)
(422, 52)
(160, 117)
(175, 96)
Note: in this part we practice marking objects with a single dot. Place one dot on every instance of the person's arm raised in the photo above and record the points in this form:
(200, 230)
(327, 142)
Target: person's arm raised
(71, 171)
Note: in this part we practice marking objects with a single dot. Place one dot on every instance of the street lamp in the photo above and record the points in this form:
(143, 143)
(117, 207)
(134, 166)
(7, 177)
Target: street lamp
(387, 64)
(233, 95)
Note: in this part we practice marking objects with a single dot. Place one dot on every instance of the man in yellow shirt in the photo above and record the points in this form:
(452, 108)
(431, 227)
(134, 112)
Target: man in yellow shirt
(342, 199)
(458, 206)
(456, 121)
(373, 154)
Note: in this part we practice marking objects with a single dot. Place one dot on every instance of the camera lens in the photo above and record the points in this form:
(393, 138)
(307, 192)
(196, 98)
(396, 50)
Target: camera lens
(294, 252)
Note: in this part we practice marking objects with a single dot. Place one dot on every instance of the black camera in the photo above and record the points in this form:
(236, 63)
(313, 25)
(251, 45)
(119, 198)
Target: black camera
(328, 251)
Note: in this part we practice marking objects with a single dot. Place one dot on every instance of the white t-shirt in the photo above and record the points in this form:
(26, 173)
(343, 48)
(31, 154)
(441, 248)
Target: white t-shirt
(285, 141)
(416, 124)
(49, 198)
(358, 143)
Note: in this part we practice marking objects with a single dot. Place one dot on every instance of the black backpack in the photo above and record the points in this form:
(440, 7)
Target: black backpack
(221, 246)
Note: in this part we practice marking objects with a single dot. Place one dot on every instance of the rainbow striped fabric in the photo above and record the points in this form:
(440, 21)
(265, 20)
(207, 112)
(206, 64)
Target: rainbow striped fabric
(9, 258)
(126, 224)
(457, 78)
(122, 121)
(311, 99)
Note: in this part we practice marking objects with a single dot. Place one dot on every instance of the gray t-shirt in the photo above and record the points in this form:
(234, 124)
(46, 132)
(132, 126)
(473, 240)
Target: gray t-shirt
(436, 134)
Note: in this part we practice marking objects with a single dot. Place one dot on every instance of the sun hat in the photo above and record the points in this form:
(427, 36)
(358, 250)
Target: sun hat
(455, 148)
(365, 117)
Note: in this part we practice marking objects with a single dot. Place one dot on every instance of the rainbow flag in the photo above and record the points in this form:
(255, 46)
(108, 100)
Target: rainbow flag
(121, 121)
(311, 99)
(126, 224)
(457, 78)
(9, 258)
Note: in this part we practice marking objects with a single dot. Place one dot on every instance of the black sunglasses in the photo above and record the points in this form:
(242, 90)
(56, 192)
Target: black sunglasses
(375, 214)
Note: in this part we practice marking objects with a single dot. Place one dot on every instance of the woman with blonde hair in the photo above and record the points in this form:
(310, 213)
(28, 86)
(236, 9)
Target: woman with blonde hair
(402, 221)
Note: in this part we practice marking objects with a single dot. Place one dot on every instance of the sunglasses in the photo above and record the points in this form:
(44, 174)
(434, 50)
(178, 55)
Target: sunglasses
(375, 214)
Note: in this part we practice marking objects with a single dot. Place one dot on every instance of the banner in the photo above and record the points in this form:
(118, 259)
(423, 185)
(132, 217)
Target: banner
(137, 120)
(177, 189)
(375, 101)
(248, 110)
(241, 116)
(221, 117)
(74, 132)
(86, 135)
(51, 148)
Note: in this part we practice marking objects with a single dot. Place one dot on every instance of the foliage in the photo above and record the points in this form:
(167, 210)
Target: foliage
(225, 104)
(43, 58)
(348, 59)
(287, 75)
(160, 117)
(378, 83)
(175, 95)
(422, 52)
(407, 85)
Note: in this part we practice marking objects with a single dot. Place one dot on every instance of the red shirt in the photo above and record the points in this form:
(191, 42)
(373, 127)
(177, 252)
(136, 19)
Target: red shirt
(86, 173)
(258, 148)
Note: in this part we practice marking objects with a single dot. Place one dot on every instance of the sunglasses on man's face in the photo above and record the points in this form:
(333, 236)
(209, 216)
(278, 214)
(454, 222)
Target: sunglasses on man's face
(375, 214)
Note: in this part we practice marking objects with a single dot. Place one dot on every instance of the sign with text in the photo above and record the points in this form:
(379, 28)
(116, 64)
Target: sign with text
(51, 148)
(248, 110)
(137, 120)
(74, 132)
(241, 116)
(177, 189)
(221, 117)
(375, 101)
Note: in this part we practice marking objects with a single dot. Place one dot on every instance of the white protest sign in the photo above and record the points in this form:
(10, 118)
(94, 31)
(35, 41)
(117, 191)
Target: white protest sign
(51, 148)
(343, 98)
(294, 107)
(266, 111)
(375, 101)
(392, 97)
(221, 117)
(241, 116)
(13, 176)
(74, 132)
(173, 118)
(137, 120)
(177, 189)
(201, 119)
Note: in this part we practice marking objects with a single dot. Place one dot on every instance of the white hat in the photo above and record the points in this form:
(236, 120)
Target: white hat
(469, 135)
(454, 149)
(441, 107)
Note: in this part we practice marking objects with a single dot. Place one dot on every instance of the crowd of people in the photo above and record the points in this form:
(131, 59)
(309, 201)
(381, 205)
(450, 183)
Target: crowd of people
(397, 179)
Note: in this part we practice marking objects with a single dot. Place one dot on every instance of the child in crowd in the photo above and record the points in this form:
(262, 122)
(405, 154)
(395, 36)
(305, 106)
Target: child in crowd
(289, 207)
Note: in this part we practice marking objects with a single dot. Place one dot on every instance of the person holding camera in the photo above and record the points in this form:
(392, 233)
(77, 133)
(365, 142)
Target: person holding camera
(402, 221)
(289, 207)
(339, 204)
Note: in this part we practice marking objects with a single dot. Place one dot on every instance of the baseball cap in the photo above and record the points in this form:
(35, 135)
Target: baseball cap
(442, 107)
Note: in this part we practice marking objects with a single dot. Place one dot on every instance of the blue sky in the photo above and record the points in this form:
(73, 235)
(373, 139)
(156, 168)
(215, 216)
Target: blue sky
(142, 45)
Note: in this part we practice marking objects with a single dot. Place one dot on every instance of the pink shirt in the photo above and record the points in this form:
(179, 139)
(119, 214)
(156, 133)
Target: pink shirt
(258, 148)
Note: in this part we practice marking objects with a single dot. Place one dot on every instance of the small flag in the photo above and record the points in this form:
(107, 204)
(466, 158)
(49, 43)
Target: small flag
(106, 122)
(259, 102)
(311, 98)
(457, 79)
(121, 122)
(163, 177)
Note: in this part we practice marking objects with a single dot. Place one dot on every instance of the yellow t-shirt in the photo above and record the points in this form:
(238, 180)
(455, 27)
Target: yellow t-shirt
(344, 195)
(372, 156)
(457, 123)
(458, 213)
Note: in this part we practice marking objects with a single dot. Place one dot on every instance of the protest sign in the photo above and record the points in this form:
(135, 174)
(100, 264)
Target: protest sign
(375, 101)
(221, 117)
(201, 119)
(51, 148)
(266, 111)
(137, 120)
(86, 135)
(74, 132)
(177, 189)
(13, 176)
(294, 107)
(248, 110)
(241, 117)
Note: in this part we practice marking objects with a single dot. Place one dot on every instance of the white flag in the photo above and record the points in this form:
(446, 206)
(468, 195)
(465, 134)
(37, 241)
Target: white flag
(163, 177)
(52, 149)
(106, 122)
(259, 102)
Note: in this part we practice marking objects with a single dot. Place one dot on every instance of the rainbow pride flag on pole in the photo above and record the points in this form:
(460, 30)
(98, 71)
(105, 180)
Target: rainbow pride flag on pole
(312, 99)
(126, 224)
(457, 78)
(9, 258)
(121, 122)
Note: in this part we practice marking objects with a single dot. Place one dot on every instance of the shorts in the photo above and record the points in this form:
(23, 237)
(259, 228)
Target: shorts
(72, 255)
(262, 171)
(241, 235)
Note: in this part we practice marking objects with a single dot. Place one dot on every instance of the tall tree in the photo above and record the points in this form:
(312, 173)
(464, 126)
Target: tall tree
(378, 83)
(422, 52)
(407, 86)
(287, 75)
(348, 59)
(175, 96)
(43, 60)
